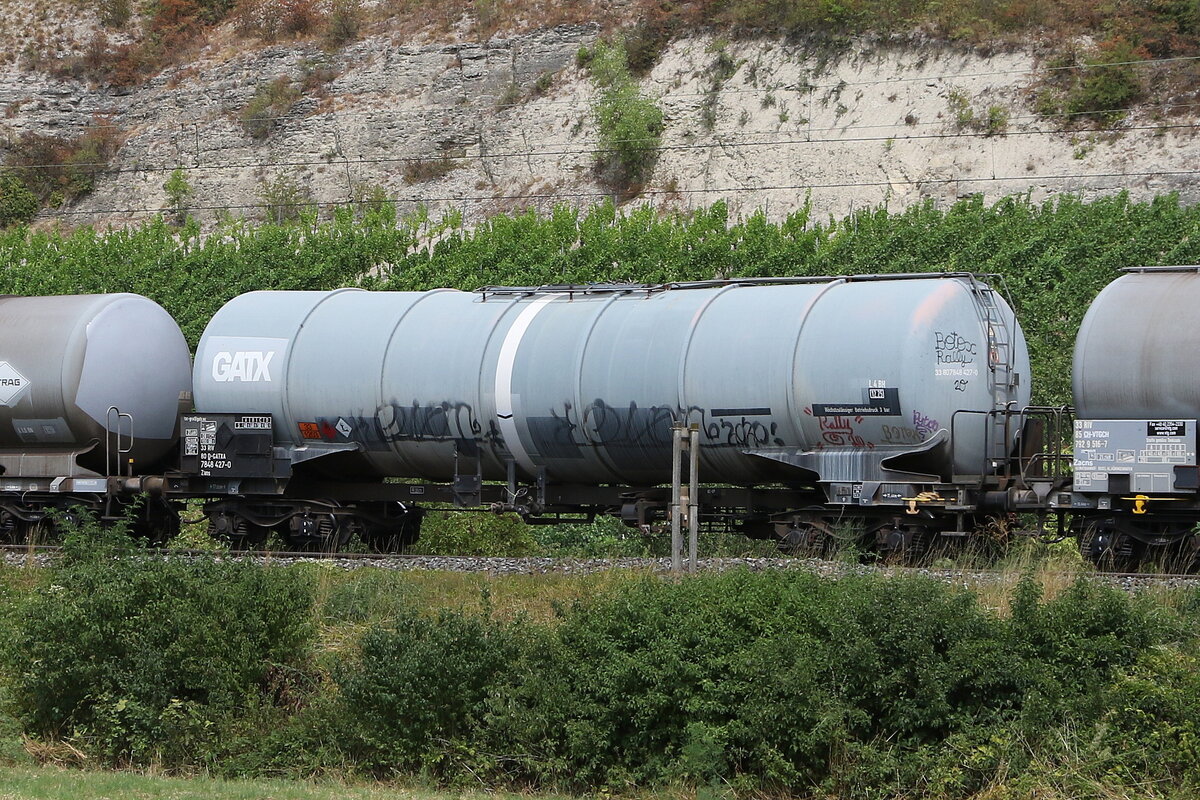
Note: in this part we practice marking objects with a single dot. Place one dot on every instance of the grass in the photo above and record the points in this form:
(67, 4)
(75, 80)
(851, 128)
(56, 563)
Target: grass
(27, 783)
(370, 594)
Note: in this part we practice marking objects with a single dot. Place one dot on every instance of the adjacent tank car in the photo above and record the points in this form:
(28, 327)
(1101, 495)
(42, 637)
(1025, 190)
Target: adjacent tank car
(90, 393)
(1137, 399)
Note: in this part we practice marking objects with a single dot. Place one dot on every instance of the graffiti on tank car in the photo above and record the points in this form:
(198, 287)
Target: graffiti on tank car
(565, 423)
(839, 432)
(631, 425)
(438, 423)
(650, 426)
(960, 385)
(742, 433)
(924, 424)
(953, 349)
(901, 434)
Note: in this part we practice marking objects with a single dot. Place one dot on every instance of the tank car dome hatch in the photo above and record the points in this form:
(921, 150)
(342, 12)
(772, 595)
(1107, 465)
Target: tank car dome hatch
(1137, 355)
(65, 361)
(829, 376)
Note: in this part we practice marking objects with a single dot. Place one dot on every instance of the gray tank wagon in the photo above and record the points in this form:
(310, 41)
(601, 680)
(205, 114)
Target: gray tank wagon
(883, 398)
(1137, 399)
(90, 387)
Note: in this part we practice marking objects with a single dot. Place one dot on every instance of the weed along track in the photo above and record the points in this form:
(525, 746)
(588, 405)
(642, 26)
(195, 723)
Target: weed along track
(45, 555)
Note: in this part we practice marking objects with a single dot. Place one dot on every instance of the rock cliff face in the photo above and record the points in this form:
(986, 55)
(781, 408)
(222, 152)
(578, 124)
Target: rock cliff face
(506, 124)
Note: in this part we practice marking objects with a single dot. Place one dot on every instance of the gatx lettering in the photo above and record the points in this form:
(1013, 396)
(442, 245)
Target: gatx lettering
(242, 365)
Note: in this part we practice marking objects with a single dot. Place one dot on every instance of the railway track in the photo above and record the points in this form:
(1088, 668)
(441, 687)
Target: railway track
(43, 555)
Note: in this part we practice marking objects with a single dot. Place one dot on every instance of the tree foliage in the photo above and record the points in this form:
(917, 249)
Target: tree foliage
(1052, 258)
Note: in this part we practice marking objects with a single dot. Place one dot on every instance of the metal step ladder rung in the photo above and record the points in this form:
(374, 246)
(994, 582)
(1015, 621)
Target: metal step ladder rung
(1000, 355)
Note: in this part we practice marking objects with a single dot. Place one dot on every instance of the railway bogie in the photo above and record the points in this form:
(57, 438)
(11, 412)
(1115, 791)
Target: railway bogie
(249, 524)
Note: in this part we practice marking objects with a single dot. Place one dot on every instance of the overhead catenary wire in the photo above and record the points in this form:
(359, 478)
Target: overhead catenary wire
(650, 193)
(720, 143)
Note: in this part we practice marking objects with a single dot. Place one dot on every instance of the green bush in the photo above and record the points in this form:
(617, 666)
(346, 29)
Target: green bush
(179, 194)
(139, 659)
(457, 534)
(344, 23)
(1109, 84)
(861, 687)
(630, 124)
(270, 102)
(1098, 84)
(417, 690)
(17, 204)
(730, 676)
(285, 199)
(1150, 728)
(58, 169)
(779, 683)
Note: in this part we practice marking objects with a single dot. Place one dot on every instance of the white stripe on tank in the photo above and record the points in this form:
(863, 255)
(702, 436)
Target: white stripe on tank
(504, 372)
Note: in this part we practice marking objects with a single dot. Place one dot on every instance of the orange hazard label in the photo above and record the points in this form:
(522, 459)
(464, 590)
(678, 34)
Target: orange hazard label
(309, 430)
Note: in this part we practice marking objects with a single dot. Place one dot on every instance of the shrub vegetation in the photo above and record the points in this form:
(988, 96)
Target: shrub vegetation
(58, 169)
(630, 124)
(271, 101)
(779, 682)
(17, 203)
(137, 659)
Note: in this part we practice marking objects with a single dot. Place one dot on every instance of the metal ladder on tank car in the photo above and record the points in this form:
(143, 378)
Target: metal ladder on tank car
(116, 442)
(116, 445)
(1001, 358)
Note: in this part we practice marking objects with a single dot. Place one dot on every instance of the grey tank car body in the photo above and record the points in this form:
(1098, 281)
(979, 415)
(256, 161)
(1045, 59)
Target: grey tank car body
(841, 379)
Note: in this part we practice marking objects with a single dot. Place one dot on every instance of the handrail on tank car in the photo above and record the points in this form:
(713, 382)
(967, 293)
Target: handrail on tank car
(572, 289)
(1171, 268)
(1048, 452)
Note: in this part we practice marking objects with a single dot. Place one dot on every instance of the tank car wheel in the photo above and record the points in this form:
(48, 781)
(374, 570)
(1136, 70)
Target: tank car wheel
(383, 539)
(13, 530)
(157, 522)
(1185, 555)
(1173, 552)
(254, 538)
(808, 540)
(818, 533)
(394, 535)
(316, 533)
(1108, 549)
(904, 544)
(992, 536)
(55, 525)
(238, 532)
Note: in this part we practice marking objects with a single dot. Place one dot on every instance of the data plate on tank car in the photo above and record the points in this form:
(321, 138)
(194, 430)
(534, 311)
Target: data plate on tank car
(1127, 455)
(227, 445)
(876, 402)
